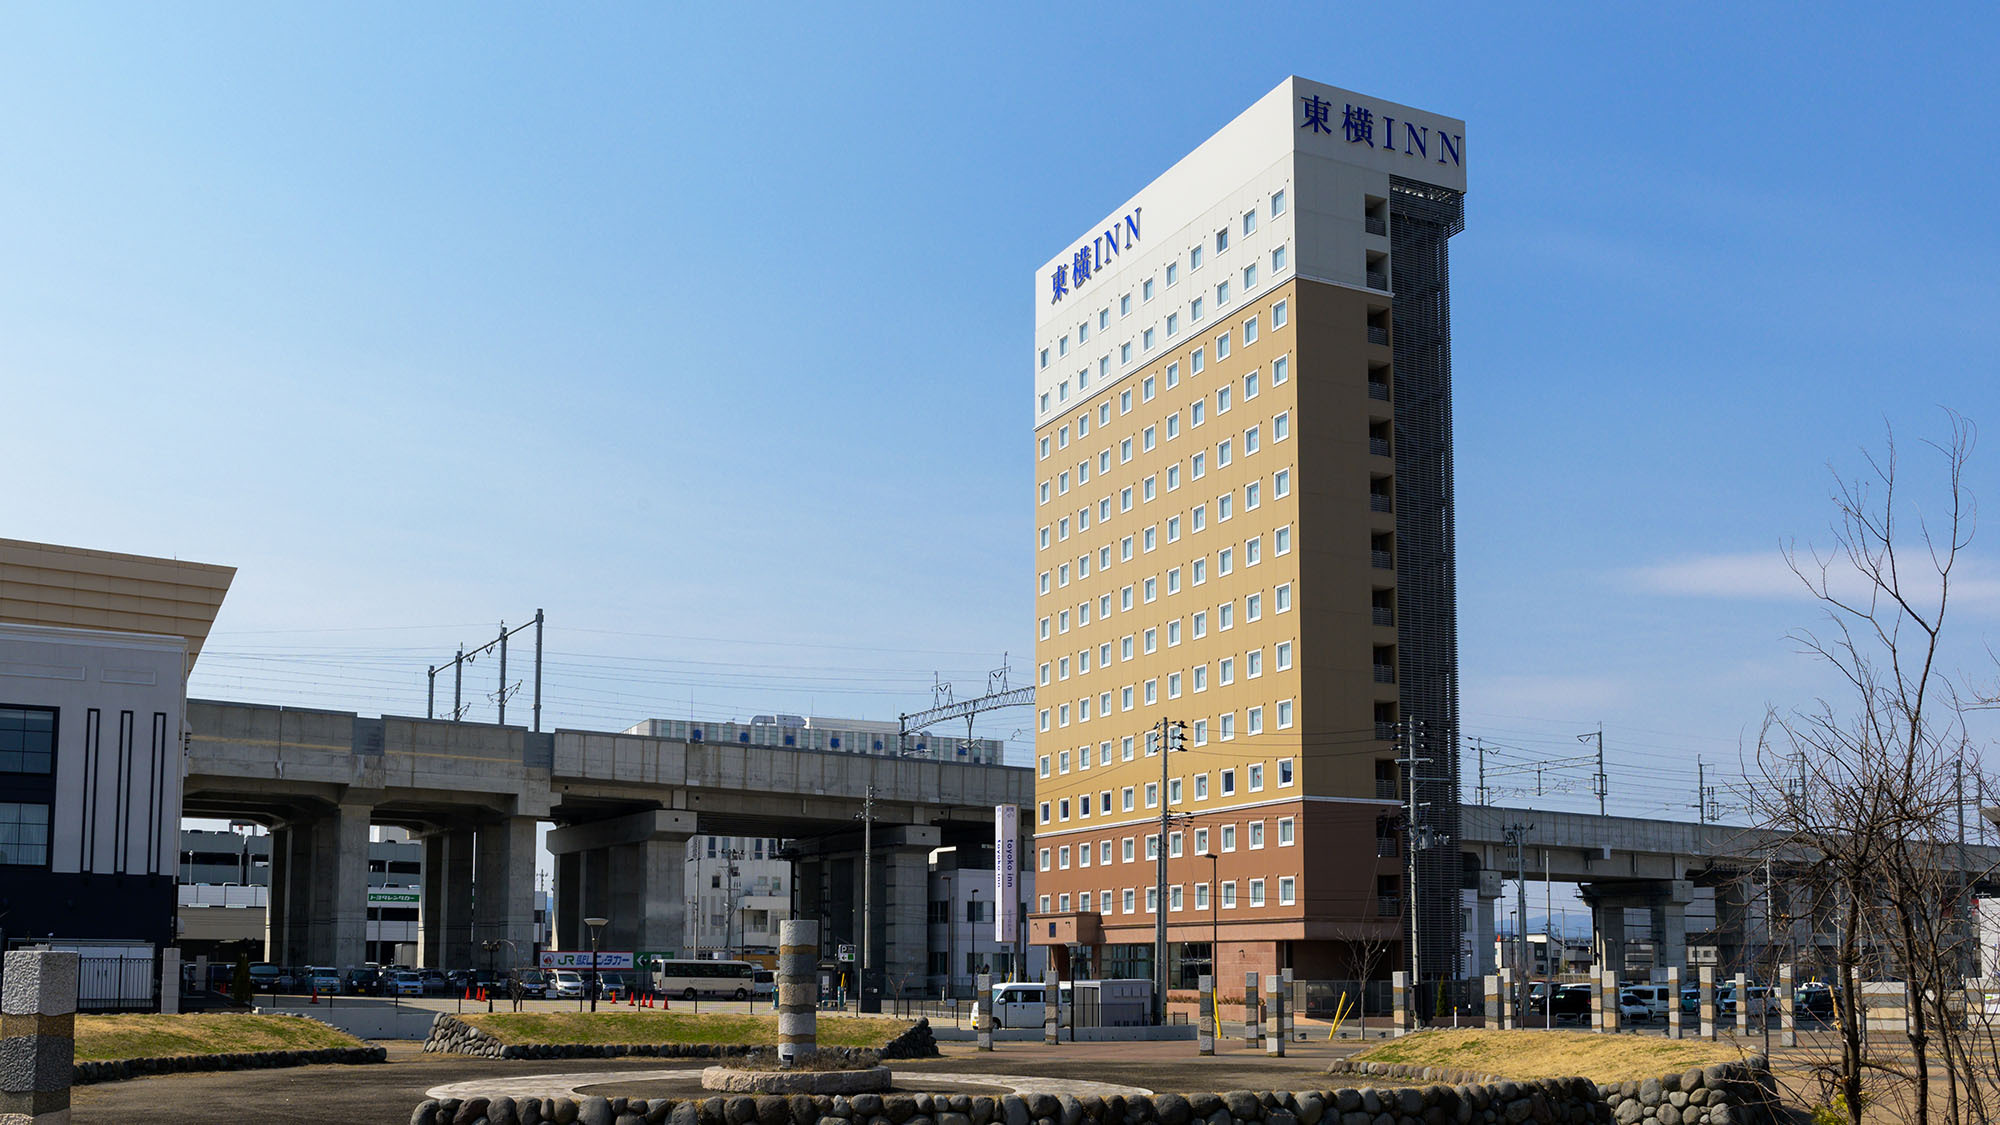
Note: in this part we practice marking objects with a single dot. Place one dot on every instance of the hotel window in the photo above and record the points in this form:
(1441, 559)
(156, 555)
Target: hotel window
(1251, 437)
(1045, 492)
(1249, 283)
(1173, 375)
(1042, 860)
(1174, 798)
(1278, 266)
(1064, 900)
(1082, 381)
(1103, 414)
(1229, 895)
(1229, 837)
(1200, 623)
(1104, 318)
(1104, 365)
(1045, 711)
(1062, 575)
(1225, 560)
(1146, 289)
(1284, 593)
(1173, 425)
(1222, 400)
(1145, 338)
(1083, 332)
(1062, 528)
(1281, 369)
(1173, 477)
(1045, 582)
(1222, 240)
(1201, 732)
(1277, 203)
(1062, 391)
(1130, 898)
(1256, 892)
(1152, 692)
(1062, 346)
(1104, 846)
(1173, 273)
(1151, 635)
(1045, 404)
(1250, 386)
(1281, 313)
(1250, 326)
(1125, 305)
(1256, 768)
(1253, 495)
(1200, 515)
(1201, 794)
(1146, 395)
(1045, 450)
(1285, 774)
(1062, 864)
(1198, 465)
(1228, 778)
(1125, 698)
(1201, 896)
(1223, 452)
(1286, 883)
(1045, 628)
(1221, 299)
(1253, 607)
(1173, 325)
(1125, 455)
(1222, 506)
(1284, 656)
(1146, 489)
(1045, 357)
(1256, 835)
(1225, 615)
(1152, 900)
(1174, 691)
(1200, 567)
(1174, 626)
(1173, 536)
(1249, 222)
(1174, 897)
(1045, 683)
(1083, 424)
(1281, 483)
(1062, 714)
(1253, 550)
(1198, 412)
(1152, 802)
(1124, 402)
(1285, 715)
(1195, 312)
(1281, 426)
(1198, 360)
(1201, 677)
(1287, 835)
(1062, 621)
(1253, 664)
(1281, 541)
(1194, 258)
(1150, 540)
(1125, 349)
(1146, 438)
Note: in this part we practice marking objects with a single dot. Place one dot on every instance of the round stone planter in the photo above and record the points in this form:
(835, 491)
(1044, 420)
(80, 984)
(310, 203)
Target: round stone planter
(729, 1079)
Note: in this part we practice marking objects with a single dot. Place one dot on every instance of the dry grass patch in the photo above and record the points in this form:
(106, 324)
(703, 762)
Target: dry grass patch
(673, 1027)
(101, 1038)
(1551, 1054)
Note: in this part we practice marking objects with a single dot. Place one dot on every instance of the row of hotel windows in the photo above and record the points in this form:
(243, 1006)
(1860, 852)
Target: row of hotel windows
(1147, 539)
(1197, 363)
(1225, 777)
(1253, 604)
(1225, 450)
(1225, 723)
(1176, 899)
(1148, 287)
(1127, 850)
(1225, 671)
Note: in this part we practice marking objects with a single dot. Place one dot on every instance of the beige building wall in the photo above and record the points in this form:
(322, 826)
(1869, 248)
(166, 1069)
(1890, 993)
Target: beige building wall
(71, 587)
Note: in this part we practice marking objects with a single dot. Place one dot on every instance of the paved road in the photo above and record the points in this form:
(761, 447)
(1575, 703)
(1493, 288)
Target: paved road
(385, 1093)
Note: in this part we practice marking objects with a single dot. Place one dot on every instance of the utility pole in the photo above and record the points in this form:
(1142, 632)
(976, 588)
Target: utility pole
(538, 671)
(863, 996)
(1166, 735)
(503, 674)
(1701, 789)
(1598, 781)
(431, 693)
(458, 686)
(1483, 795)
(1415, 837)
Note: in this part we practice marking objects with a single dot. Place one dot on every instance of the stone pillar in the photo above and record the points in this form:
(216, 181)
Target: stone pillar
(37, 1037)
(338, 924)
(1290, 1005)
(445, 912)
(1673, 1002)
(1609, 985)
(276, 900)
(1597, 996)
(798, 990)
(1708, 1002)
(1609, 917)
(1482, 933)
(1399, 993)
(985, 1017)
(1492, 1000)
(1670, 923)
(1205, 1032)
(1788, 1028)
(505, 881)
(1051, 1004)
(1508, 1001)
(1274, 1016)
(289, 925)
(1742, 984)
(170, 981)
(1251, 1005)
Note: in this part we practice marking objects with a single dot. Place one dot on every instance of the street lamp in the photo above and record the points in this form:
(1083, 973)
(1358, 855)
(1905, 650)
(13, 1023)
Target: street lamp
(950, 933)
(596, 927)
(972, 941)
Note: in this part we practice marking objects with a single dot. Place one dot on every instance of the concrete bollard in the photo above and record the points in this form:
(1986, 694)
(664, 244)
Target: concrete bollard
(1788, 1028)
(1742, 983)
(1508, 1016)
(985, 1019)
(170, 981)
(1492, 1000)
(1674, 1003)
(1596, 997)
(1399, 992)
(798, 990)
(37, 1037)
(1251, 1006)
(1274, 1016)
(1051, 1005)
(1290, 1005)
(1708, 1002)
(1205, 1033)
(1608, 986)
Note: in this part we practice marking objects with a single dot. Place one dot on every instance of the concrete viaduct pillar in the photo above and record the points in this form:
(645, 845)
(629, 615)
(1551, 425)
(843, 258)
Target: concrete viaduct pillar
(630, 870)
(504, 910)
(902, 908)
(1666, 903)
(317, 911)
(1485, 961)
(445, 922)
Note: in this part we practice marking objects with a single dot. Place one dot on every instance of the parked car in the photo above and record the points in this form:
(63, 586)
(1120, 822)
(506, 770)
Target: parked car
(534, 982)
(435, 982)
(1759, 1003)
(364, 982)
(1814, 1000)
(565, 984)
(1657, 998)
(322, 979)
(408, 983)
(1572, 1002)
(764, 982)
(1631, 1007)
(1691, 1001)
(264, 978)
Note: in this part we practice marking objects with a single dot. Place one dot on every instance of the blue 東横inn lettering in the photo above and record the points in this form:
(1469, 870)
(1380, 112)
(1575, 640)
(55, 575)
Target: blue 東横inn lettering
(1094, 255)
(1357, 125)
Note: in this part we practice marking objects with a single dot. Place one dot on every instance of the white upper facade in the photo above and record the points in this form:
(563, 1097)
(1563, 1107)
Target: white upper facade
(1276, 193)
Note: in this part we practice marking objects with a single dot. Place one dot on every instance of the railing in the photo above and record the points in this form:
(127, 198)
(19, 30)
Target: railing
(1376, 225)
(1378, 334)
(1385, 616)
(1380, 502)
(1377, 279)
(1379, 446)
(1385, 673)
(1378, 390)
(1382, 560)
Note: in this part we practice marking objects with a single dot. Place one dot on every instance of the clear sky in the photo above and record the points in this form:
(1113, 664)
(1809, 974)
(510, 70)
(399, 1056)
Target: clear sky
(707, 328)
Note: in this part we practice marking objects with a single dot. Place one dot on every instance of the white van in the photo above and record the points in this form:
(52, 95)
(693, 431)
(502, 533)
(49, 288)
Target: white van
(1024, 1004)
(565, 984)
(1656, 997)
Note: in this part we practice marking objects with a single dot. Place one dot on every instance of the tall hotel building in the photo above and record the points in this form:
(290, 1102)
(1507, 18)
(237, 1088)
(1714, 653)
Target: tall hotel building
(1243, 522)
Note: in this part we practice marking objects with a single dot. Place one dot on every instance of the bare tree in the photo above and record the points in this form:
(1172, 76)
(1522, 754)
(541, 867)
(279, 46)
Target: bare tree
(1862, 785)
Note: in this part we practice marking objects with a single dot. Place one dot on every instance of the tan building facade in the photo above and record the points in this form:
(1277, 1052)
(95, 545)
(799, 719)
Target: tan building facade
(1219, 507)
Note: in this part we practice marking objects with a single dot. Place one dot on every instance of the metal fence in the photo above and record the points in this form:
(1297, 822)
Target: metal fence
(117, 984)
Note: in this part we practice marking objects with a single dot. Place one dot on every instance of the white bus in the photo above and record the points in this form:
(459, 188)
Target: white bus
(689, 979)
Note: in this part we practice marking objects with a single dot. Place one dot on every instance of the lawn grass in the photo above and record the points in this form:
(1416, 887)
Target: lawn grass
(101, 1038)
(1551, 1054)
(673, 1027)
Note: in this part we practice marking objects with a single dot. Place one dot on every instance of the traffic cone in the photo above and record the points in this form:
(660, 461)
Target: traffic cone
(315, 992)
(468, 993)
(482, 994)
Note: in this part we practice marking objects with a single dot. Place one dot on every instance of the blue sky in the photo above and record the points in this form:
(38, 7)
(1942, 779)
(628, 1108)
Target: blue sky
(707, 328)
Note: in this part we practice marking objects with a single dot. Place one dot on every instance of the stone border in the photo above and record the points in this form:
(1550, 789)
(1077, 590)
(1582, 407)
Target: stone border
(551, 1086)
(116, 1070)
(729, 1079)
(451, 1035)
(1725, 1094)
